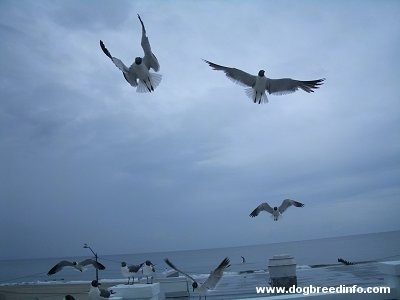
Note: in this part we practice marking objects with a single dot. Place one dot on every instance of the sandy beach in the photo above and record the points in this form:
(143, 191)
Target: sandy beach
(47, 291)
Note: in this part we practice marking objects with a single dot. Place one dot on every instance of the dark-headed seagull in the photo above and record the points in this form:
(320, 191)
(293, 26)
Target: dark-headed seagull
(95, 293)
(138, 74)
(276, 212)
(211, 281)
(148, 270)
(130, 271)
(80, 266)
(257, 85)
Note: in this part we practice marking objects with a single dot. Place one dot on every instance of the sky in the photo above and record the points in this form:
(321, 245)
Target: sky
(84, 158)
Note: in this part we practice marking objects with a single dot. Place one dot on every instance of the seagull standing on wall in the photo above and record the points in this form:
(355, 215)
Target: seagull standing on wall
(138, 74)
(148, 270)
(257, 85)
(211, 281)
(130, 271)
(276, 212)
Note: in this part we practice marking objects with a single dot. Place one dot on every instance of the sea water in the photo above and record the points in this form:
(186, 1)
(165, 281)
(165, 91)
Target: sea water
(316, 263)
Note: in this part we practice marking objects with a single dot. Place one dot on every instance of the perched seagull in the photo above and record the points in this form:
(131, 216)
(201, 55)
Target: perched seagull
(259, 84)
(69, 297)
(130, 271)
(95, 293)
(138, 74)
(276, 212)
(211, 281)
(148, 270)
(78, 266)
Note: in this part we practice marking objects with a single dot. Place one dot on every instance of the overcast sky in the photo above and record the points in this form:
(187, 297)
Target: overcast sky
(84, 158)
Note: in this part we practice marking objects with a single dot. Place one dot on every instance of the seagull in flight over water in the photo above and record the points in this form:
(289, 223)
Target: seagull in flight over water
(211, 281)
(276, 212)
(257, 85)
(78, 266)
(138, 74)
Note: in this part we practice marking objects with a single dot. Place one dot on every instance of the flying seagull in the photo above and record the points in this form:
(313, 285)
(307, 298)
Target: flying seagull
(138, 74)
(148, 270)
(257, 85)
(276, 212)
(95, 293)
(211, 281)
(130, 271)
(78, 266)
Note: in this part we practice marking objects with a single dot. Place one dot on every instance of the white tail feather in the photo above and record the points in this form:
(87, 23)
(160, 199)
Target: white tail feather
(143, 87)
(251, 93)
(155, 79)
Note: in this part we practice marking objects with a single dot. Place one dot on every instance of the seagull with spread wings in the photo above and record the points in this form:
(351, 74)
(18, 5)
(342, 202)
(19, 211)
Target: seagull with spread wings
(79, 266)
(211, 281)
(276, 212)
(258, 85)
(138, 74)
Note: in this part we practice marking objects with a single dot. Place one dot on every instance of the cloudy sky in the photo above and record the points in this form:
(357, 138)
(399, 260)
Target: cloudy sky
(86, 159)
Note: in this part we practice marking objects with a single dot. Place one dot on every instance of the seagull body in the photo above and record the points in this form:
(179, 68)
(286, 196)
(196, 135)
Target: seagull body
(77, 266)
(148, 270)
(258, 85)
(130, 271)
(276, 212)
(211, 281)
(138, 74)
(95, 293)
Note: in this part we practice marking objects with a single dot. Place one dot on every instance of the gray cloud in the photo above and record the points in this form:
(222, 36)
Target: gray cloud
(86, 157)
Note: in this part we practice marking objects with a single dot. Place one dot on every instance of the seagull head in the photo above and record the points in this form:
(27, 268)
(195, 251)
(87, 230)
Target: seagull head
(275, 208)
(138, 60)
(194, 285)
(149, 263)
(261, 73)
(95, 283)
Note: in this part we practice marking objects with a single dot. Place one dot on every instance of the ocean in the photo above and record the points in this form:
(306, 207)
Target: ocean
(316, 263)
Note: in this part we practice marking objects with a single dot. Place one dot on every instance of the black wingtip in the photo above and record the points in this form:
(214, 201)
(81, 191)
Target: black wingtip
(105, 50)
(225, 263)
(140, 19)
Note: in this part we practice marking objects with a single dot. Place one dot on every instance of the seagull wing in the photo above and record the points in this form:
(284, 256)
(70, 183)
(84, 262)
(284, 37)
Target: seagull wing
(105, 293)
(95, 264)
(118, 63)
(288, 85)
(263, 206)
(149, 59)
(171, 265)
(134, 268)
(287, 202)
(236, 75)
(58, 267)
(129, 76)
(216, 275)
